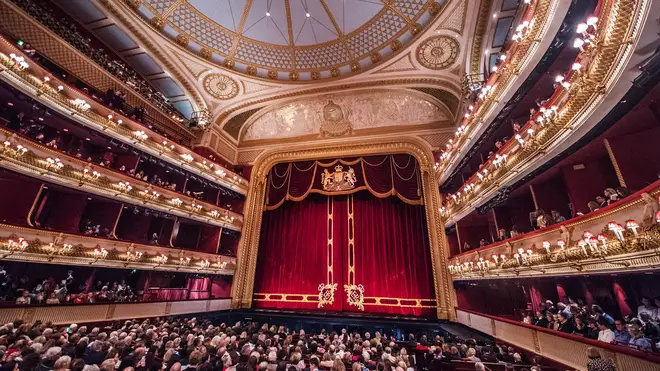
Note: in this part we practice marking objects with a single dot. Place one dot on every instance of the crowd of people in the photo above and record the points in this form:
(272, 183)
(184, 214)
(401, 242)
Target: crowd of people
(68, 31)
(22, 291)
(640, 331)
(176, 344)
(539, 218)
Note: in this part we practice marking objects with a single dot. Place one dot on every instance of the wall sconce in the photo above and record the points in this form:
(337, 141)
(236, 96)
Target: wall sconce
(133, 256)
(546, 246)
(177, 202)
(227, 219)
(80, 105)
(53, 249)
(124, 187)
(55, 163)
(184, 261)
(617, 229)
(100, 253)
(204, 263)
(633, 226)
(603, 239)
(140, 135)
(19, 62)
(187, 157)
(161, 259)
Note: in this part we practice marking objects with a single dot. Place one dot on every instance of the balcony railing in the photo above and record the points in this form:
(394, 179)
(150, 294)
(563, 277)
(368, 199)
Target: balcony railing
(596, 69)
(623, 236)
(33, 159)
(39, 84)
(42, 246)
(139, 92)
(570, 350)
(86, 313)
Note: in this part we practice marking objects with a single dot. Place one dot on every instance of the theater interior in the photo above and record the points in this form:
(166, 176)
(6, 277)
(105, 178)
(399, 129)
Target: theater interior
(304, 185)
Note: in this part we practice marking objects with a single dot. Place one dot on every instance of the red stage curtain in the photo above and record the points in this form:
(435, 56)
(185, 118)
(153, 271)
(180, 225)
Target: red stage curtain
(383, 176)
(292, 252)
(392, 258)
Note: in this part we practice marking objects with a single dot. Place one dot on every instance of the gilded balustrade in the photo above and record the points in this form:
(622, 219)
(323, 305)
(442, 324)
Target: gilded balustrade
(33, 159)
(605, 45)
(32, 82)
(624, 236)
(48, 247)
(87, 313)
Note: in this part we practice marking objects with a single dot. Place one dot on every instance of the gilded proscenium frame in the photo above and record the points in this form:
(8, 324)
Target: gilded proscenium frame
(243, 286)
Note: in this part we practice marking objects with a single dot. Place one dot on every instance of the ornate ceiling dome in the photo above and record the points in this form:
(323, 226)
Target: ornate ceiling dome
(292, 39)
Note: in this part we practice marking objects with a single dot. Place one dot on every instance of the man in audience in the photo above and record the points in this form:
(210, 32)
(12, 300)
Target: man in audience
(565, 325)
(621, 334)
(647, 307)
(637, 339)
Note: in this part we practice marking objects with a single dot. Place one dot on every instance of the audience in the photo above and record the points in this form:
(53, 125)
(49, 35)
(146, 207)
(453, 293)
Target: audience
(51, 291)
(67, 29)
(175, 344)
(640, 331)
(539, 219)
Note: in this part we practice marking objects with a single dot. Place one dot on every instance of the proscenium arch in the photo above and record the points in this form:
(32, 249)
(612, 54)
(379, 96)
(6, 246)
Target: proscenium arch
(243, 284)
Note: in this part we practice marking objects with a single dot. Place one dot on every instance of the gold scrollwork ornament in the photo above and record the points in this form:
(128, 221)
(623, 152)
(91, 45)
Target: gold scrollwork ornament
(355, 295)
(327, 294)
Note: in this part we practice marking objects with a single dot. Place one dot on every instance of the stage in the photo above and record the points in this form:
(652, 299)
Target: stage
(314, 321)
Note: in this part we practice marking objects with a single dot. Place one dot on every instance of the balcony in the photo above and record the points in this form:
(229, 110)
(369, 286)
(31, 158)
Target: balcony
(567, 349)
(41, 246)
(33, 159)
(571, 105)
(38, 83)
(58, 43)
(89, 313)
(622, 237)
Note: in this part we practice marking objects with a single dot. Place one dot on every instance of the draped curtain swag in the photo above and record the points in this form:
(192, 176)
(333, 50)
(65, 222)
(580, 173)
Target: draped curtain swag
(382, 176)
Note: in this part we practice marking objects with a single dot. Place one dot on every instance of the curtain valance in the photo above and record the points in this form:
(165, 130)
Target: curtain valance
(383, 176)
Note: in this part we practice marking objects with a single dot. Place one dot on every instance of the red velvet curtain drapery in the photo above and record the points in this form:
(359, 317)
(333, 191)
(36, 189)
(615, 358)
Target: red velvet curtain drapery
(383, 176)
(365, 239)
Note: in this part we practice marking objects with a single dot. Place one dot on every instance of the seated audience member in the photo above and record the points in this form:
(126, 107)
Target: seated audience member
(623, 192)
(647, 307)
(637, 339)
(479, 367)
(597, 363)
(593, 206)
(565, 325)
(605, 334)
(542, 219)
(602, 202)
(611, 195)
(621, 334)
(539, 319)
(502, 234)
(556, 217)
(514, 231)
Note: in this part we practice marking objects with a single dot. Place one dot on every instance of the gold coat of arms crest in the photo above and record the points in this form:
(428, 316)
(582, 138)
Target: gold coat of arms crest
(340, 180)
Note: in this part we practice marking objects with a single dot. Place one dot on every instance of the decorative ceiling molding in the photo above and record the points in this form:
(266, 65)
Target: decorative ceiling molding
(404, 63)
(437, 140)
(480, 28)
(438, 52)
(439, 82)
(248, 157)
(220, 86)
(379, 38)
(195, 68)
(251, 87)
(456, 20)
(341, 114)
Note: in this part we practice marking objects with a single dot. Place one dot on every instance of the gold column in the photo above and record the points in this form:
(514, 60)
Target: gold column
(617, 170)
(243, 285)
(531, 190)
